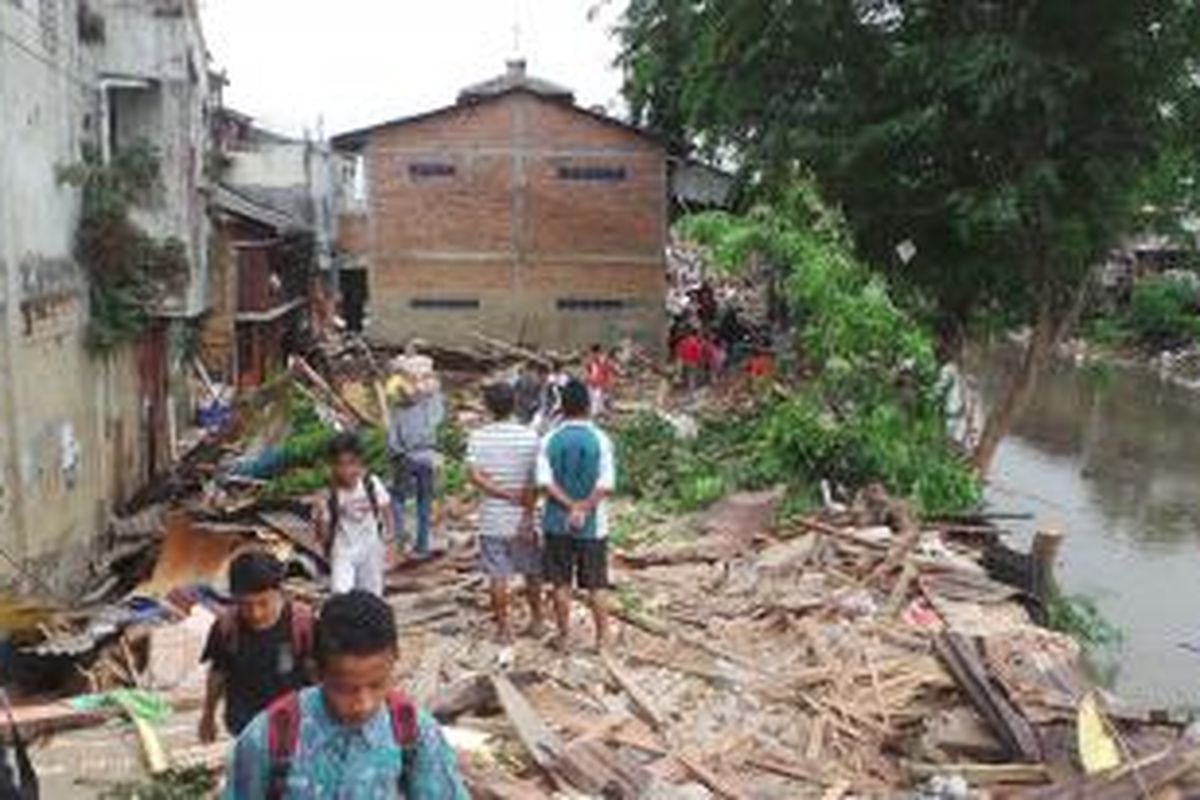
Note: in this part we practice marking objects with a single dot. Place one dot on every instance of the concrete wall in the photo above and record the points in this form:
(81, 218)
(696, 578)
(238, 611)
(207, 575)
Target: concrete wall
(75, 432)
(505, 244)
(69, 423)
(161, 42)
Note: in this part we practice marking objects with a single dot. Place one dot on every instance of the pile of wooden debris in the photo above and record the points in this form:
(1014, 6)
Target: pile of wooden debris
(862, 653)
(825, 659)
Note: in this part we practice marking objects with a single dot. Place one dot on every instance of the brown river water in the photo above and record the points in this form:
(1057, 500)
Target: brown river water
(1111, 455)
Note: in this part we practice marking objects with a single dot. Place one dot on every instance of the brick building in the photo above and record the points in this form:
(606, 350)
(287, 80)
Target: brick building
(513, 212)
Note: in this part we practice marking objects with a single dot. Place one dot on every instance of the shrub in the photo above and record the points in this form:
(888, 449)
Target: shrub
(1161, 312)
(871, 406)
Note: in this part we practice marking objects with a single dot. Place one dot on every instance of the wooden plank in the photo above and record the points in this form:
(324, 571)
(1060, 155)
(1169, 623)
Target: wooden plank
(803, 771)
(896, 600)
(588, 767)
(816, 739)
(837, 791)
(643, 704)
(959, 655)
(982, 774)
(423, 684)
(840, 533)
(1136, 779)
(542, 745)
(715, 783)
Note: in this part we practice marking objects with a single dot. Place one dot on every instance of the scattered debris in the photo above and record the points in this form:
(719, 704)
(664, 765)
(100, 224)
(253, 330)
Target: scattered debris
(861, 652)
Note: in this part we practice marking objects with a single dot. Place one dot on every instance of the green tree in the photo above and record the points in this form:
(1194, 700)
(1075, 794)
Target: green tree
(986, 152)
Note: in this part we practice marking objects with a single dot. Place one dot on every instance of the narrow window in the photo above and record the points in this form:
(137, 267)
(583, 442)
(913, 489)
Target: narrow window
(444, 303)
(590, 304)
(592, 173)
(430, 169)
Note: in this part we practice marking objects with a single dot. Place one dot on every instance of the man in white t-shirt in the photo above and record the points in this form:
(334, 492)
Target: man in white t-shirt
(502, 458)
(354, 520)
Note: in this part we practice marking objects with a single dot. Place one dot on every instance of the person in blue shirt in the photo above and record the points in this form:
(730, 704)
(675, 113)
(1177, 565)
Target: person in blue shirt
(577, 471)
(352, 737)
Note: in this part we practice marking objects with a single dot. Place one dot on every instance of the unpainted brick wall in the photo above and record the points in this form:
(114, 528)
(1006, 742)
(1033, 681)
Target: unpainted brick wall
(506, 229)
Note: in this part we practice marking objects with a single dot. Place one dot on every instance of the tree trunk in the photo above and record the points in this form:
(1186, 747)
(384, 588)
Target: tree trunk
(1018, 391)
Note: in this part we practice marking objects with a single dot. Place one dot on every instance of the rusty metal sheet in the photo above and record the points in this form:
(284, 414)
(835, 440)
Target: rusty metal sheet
(192, 555)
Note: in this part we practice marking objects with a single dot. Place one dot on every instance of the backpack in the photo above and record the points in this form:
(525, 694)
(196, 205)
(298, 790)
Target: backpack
(333, 511)
(283, 737)
(302, 629)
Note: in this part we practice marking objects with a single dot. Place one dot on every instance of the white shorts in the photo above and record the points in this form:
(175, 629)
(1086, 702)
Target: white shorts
(359, 567)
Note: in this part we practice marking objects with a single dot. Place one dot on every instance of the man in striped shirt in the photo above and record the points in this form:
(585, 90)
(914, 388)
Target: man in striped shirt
(502, 458)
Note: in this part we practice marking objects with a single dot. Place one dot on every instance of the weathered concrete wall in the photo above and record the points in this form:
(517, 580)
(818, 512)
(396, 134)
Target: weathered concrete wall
(160, 42)
(279, 165)
(68, 422)
(474, 224)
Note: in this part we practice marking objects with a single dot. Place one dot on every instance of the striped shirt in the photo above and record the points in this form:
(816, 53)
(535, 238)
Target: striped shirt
(507, 453)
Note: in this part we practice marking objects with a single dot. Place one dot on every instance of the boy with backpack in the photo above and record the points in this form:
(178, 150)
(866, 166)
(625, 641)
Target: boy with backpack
(354, 520)
(258, 650)
(577, 471)
(352, 736)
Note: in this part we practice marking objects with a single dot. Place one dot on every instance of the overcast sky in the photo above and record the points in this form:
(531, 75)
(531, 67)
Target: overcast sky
(358, 62)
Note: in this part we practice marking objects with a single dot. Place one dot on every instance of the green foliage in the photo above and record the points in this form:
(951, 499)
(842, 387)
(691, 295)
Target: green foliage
(870, 407)
(302, 467)
(1162, 312)
(1003, 148)
(1107, 331)
(128, 270)
(452, 444)
(1078, 616)
(193, 783)
(1011, 144)
(677, 475)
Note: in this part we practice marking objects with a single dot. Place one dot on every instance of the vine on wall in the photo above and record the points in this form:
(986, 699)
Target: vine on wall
(128, 270)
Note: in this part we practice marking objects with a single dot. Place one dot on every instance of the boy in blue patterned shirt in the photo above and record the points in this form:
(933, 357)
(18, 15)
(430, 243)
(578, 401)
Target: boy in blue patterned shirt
(352, 737)
(576, 470)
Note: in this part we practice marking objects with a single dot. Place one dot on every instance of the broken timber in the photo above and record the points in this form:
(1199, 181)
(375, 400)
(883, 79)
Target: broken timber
(590, 767)
(961, 658)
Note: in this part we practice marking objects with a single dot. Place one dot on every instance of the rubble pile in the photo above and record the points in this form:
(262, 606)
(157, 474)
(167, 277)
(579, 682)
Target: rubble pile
(862, 652)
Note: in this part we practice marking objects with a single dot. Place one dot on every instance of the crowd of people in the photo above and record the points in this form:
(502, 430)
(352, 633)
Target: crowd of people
(310, 694)
(708, 340)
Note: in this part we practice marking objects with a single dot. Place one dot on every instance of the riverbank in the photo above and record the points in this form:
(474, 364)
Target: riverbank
(1111, 456)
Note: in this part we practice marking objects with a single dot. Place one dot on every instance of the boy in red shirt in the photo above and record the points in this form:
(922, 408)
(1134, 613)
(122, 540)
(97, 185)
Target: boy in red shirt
(690, 354)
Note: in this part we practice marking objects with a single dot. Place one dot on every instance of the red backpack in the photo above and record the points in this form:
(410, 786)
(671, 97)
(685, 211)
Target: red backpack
(302, 629)
(283, 737)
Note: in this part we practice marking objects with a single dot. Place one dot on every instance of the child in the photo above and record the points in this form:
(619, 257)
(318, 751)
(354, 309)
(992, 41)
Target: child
(576, 469)
(355, 520)
(503, 460)
(689, 351)
(529, 387)
(551, 407)
(601, 374)
(353, 735)
(258, 650)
